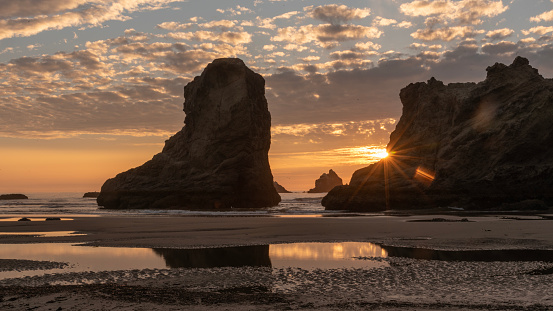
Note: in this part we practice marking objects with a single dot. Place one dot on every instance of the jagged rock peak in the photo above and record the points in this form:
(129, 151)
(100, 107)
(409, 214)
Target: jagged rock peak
(520, 65)
(472, 145)
(326, 182)
(220, 157)
(281, 189)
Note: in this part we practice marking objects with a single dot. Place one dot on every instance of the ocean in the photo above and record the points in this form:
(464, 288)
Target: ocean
(297, 204)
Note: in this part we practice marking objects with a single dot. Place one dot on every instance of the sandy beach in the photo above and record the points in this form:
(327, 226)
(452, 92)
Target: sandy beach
(400, 284)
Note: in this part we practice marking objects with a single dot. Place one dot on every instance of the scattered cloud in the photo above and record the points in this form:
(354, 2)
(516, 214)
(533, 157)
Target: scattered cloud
(230, 37)
(238, 10)
(325, 33)
(540, 30)
(404, 24)
(338, 14)
(134, 82)
(499, 34)
(545, 16)
(52, 15)
(446, 33)
(381, 21)
(503, 47)
(366, 46)
(465, 12)
(449, 20)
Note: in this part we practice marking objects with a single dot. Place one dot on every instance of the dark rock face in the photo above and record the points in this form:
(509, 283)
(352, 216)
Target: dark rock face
(326, 182)
(281, 189)
(91, 195)
(477, 146)
(13, 196)
(220, 157)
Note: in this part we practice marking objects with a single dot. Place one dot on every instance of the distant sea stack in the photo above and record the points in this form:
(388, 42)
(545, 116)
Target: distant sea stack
(220, 157)
(91, 195)
(13, 196)
(326, 182)
(281, 189)
(486, 145)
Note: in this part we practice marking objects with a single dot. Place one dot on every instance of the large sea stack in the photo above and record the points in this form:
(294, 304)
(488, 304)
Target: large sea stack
(220, 157)
(480, 145)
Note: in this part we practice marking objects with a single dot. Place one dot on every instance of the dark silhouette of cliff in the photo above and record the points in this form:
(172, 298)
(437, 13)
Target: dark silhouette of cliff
(486, 145)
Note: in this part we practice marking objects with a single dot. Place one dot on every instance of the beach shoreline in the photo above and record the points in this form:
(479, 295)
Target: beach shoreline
(398, 287)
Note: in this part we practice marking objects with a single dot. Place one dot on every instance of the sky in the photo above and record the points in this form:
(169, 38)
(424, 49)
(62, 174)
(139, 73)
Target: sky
(91, 88)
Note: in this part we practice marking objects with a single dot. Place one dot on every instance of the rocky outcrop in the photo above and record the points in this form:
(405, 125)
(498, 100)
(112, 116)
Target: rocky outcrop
(479, 146)
(281, 189)
(220, 157)
(326, 182)
(13, 196)
(91, 194)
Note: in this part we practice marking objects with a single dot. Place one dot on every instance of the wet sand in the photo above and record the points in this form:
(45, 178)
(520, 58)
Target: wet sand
(405, 284)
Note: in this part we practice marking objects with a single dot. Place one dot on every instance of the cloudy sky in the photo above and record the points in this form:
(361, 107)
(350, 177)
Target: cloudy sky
(90, 88)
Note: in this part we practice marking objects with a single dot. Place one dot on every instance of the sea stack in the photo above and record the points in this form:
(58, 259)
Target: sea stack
(486, 145)
(326, 182)
(220, 157)
(280, 189)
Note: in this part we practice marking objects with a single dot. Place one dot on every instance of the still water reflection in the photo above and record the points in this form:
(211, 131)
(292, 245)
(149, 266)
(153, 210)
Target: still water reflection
(299, 255)
(47, 234)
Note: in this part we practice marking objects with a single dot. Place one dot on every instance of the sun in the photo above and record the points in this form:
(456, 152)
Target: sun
(381, 154)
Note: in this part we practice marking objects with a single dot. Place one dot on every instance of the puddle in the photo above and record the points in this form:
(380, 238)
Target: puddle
(34, 219)
(44, 234)
(308, 256)
(326, 255)
(300, 216)
(470, 255)
(300, 255)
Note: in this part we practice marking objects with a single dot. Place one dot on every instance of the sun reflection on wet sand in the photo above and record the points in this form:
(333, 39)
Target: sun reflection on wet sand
(327, 255)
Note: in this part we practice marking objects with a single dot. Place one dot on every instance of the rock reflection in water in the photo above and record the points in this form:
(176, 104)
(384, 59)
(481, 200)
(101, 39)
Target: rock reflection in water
(471, 255)
(242, 256)
(298, 255)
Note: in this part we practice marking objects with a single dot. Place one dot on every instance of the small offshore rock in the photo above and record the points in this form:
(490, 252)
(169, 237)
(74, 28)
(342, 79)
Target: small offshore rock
(13, 196)
(326, 182)
(281, 189)
(24, 219)
(52, 218)
(91, 194)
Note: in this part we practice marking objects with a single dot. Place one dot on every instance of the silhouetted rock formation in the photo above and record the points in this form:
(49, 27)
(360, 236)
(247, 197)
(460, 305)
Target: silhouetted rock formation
(220, 157)
(281, 189)
(13, 196)
(477, 146)
(91, 195)
(326, 182)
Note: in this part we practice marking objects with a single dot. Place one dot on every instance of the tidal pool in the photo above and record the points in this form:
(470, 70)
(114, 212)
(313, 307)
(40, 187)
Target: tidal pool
(94, 259)
(308, 256)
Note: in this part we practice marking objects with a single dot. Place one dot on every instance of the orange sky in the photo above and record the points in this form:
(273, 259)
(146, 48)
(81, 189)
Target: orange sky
(70, 165)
